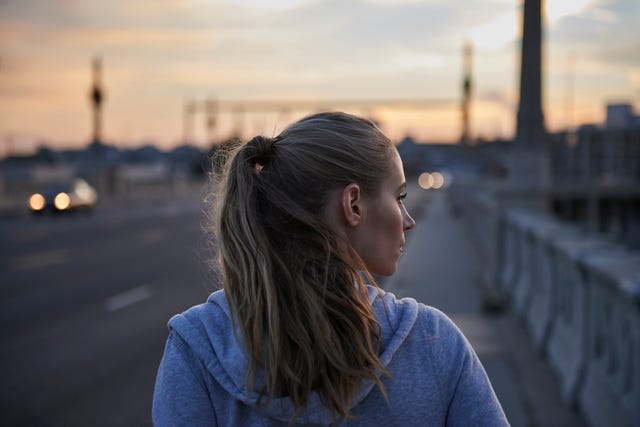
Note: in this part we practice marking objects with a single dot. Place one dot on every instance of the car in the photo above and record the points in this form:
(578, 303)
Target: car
(77, 195)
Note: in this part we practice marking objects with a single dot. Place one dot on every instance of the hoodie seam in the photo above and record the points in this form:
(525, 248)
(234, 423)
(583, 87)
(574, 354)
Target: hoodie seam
(211, 365)
(186, 354)
(196, 366)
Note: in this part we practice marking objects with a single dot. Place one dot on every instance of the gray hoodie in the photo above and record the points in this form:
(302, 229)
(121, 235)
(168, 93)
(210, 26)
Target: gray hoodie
(437, 379)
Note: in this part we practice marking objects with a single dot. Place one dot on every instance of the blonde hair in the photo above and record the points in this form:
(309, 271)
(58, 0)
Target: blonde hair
(292, 284)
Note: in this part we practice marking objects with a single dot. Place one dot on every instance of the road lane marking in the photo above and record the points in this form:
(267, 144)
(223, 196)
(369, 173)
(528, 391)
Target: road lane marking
(124, 299)
(41, 259)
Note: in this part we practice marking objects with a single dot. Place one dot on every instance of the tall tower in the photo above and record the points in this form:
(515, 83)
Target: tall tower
(188, 126)
(530, 163)
(96, 100)
(467, 52)
(211, 110)
(530, 131)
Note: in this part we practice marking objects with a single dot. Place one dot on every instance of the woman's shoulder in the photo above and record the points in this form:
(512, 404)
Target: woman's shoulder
(204, 318)
(438, 325)
(426, 321)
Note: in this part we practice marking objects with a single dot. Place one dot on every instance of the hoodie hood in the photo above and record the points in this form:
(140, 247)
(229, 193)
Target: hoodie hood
(206, 328)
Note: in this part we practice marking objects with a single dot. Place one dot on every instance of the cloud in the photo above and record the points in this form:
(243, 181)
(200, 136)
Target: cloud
(416, 59)
(498, 98)
(603, 37)
(558, 9)
(308, 35)
(625, 53)
(496, 33)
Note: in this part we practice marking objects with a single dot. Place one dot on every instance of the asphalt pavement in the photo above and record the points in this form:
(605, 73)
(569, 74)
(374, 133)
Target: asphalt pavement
(84, 302)
(438, 269)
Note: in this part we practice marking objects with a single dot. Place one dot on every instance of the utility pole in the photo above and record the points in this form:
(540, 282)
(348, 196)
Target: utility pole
(187, 122)
(96, 100)
(467, 52)
(211, 111)
(238, 121)
(96, 97)
(570, 93)
(191, 108)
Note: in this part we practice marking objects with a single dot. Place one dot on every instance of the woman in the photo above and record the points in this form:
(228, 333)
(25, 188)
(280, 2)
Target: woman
(296, 335)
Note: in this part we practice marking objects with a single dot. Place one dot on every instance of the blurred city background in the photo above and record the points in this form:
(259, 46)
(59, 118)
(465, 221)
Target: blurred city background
(518, 123)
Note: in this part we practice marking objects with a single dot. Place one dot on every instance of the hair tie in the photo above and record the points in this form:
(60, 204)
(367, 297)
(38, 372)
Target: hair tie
(259, 151)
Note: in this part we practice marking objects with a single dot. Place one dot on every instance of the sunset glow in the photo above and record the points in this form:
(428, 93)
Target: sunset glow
(158, 55)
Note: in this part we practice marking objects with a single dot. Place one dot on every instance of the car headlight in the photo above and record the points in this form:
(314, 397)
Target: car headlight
(36, 202)
(62, 201)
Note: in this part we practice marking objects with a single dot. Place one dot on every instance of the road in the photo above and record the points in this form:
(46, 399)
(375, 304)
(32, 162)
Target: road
(84, 303)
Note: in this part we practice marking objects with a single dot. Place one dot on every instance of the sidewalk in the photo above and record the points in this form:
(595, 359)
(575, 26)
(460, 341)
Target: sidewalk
(437, 268)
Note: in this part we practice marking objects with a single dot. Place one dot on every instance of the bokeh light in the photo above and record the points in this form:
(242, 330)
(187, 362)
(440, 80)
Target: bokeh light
(62, 201)
(36, 202)
(432, 180)
(425, 181)
(438, 180)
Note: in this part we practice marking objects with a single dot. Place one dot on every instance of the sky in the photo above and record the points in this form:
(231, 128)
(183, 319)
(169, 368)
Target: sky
(159, 54)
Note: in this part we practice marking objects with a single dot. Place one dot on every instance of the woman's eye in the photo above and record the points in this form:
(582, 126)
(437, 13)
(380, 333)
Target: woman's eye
(401, 198)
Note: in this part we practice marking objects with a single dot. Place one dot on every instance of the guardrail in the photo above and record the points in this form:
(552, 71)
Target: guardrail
(578, 295)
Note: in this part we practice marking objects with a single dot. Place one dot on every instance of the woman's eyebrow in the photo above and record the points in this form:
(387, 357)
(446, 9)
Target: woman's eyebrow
(402, 187)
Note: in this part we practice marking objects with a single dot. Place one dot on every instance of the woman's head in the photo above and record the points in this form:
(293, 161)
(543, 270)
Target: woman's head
(300, 172)
(298, 217)
(374, 224)
(321, 153)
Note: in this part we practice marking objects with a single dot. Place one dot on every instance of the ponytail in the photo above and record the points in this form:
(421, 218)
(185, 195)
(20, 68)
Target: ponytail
(242, 242)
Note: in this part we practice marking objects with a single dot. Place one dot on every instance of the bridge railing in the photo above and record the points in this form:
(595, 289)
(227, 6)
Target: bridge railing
(578, 295)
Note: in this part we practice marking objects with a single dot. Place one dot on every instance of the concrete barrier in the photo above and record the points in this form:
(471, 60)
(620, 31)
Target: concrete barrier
(566, 348)
(540, 312)
(610, 395)
(512, 254)
(527, 272)
(580, 297)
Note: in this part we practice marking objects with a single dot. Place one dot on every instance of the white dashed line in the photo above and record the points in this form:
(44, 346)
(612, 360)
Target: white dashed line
(41, 259)
(124, 299)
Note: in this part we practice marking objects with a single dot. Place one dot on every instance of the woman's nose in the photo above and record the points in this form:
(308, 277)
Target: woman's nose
(407, 221)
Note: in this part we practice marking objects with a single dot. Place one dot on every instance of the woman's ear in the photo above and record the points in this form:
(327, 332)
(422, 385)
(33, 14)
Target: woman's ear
(351, 201)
